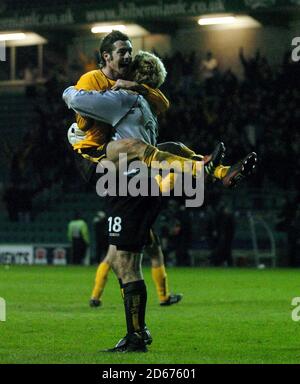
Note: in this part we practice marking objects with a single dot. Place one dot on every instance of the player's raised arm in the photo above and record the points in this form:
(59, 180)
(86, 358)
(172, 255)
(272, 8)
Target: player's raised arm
(154, 96)
(157, 99)
(109, 106)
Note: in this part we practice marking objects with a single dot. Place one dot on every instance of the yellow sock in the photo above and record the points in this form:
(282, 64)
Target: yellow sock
(178, 149)
(160, 278)
(100, 281)
(220, 172)
(167, 183)
(162, 160)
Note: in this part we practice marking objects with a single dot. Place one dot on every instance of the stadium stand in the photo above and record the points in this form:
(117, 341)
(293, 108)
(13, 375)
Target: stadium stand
(225, 108)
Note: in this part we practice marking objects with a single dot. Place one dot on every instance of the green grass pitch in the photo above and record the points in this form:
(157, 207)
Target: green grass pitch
(226, 316)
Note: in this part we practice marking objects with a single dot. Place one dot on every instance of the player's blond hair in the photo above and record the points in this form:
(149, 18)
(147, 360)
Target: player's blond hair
(148, 69)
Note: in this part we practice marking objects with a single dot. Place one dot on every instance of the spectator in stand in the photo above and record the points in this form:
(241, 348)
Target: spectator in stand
(78, 235)
(209, 66)
(225, 229)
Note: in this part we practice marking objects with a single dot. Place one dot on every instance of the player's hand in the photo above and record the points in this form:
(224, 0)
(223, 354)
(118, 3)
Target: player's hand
(124, 84)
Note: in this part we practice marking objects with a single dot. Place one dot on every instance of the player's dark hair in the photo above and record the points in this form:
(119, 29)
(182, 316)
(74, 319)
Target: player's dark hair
(108, 42)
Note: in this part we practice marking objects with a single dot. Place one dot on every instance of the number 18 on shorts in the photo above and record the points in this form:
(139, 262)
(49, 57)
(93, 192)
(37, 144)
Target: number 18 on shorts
(114, 225)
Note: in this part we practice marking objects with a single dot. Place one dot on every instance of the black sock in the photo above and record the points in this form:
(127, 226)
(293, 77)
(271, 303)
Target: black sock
(135, 299)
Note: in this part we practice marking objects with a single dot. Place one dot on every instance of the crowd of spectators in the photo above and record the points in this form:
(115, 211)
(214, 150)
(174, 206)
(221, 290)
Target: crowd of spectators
(258, 112)
(41, 166)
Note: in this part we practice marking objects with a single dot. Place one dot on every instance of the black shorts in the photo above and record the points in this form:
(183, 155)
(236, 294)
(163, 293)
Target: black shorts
(86, 160)
(130, 220)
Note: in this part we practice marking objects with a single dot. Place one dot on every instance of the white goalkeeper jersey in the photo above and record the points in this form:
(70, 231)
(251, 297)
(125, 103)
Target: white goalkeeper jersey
(129, 114)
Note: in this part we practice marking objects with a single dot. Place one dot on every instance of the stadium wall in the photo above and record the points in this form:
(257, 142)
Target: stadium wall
(39, 254)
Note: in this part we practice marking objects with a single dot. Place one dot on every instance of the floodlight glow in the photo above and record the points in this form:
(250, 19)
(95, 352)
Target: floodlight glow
(12, 36)
(217, 20)
(107, 28)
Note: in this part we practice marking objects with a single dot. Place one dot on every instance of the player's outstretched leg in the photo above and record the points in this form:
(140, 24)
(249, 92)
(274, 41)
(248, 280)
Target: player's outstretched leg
(241, 170)
(230, 175)
(213, 161)
(157, 159)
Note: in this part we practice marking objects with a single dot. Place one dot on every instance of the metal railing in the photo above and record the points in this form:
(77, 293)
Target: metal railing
(254, 221)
